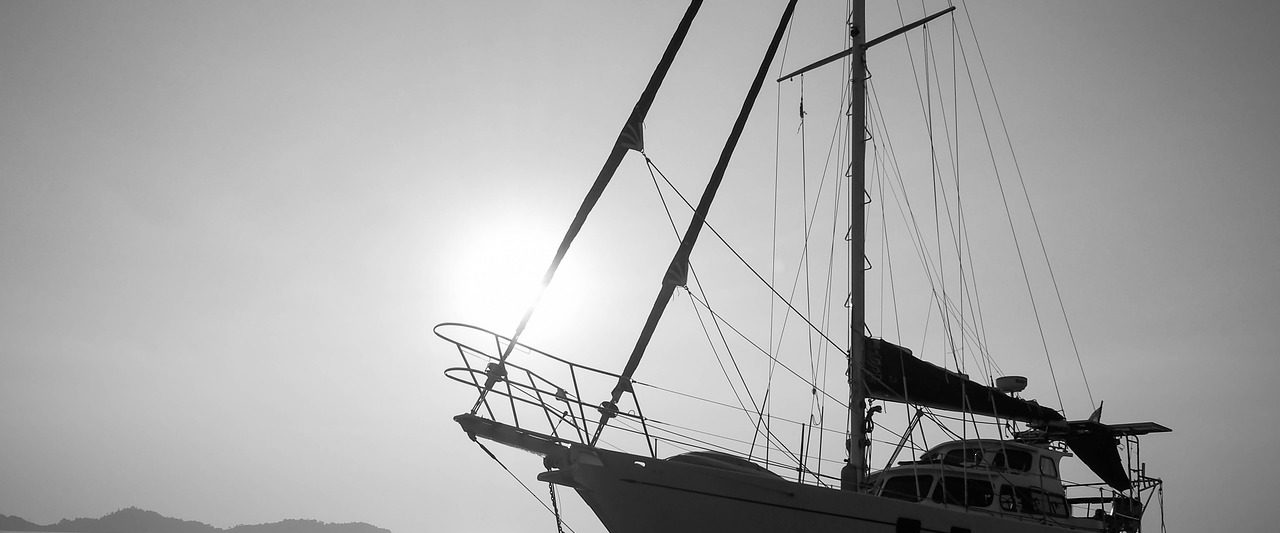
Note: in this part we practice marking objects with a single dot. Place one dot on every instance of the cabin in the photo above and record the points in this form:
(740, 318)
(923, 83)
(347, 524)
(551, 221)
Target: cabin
(1000, 477)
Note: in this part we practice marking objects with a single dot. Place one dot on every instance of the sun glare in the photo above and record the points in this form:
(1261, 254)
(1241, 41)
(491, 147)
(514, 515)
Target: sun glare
(501, 274)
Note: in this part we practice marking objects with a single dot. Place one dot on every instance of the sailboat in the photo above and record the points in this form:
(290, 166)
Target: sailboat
(557, 408)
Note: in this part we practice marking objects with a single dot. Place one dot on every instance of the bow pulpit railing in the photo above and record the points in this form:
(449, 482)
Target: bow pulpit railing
(534, 391)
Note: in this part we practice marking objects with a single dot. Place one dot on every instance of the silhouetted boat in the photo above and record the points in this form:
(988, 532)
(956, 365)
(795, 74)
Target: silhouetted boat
(537, 402)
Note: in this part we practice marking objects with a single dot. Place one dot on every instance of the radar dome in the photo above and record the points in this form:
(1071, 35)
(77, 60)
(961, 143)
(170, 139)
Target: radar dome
(1010, 384)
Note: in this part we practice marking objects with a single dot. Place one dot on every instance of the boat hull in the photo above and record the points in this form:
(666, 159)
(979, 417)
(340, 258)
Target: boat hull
(635, 494)
(638, 494)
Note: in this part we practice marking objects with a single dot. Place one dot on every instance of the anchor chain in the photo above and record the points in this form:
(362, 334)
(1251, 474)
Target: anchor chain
(555, 508)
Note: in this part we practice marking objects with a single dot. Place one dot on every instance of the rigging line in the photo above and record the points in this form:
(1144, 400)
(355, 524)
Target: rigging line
(526, 487)
(934, 417)
(933, 180)
(831, 151)
(698, 283)
(724, 370)
(1018, 169)
(952, 153)
(1016, 244)
(695, 397)
(720, 404)
(972, 297)
(775, 464)
(804, 213)
(911, 57)
(673, 436)
(925, 109)
(762, 422)
(953, 145)
(773, 227)
(875, 184)
(836, 199)
(677, 270)
(815, 360)
(780, 363)
(746, 264)
(766, 353)
(823, 352)
(666, 427)
(957, 233)
(888, 261)
(758, 408)
(705, 445)
(908, 213)
(879, 171)
(773, 254)
(804, 252)
(975, 304)
(916, 234)
(816, 402)
(935, 170)
(888, 257)
(625, 425)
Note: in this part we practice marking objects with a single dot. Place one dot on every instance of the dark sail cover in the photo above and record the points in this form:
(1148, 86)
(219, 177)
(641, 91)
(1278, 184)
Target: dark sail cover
(891, 373)
(1095, 444)
(1097, 450)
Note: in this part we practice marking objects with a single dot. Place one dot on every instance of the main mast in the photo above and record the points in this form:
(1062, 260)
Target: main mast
(854, 471)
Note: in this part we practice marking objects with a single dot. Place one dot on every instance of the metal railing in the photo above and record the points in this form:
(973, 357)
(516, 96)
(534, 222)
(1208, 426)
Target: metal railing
(547, 401)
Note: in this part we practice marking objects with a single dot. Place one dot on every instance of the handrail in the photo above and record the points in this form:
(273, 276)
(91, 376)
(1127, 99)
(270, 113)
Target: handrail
(505, 338)
(560, 400)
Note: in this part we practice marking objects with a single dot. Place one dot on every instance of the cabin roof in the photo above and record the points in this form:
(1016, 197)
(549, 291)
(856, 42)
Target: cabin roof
(994, 444)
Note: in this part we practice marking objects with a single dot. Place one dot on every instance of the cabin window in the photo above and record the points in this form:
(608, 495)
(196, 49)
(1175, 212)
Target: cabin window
(1030, 500)
(1006, 499)
(961, 491)
(1058, 505)
(1013, 460)
(963, 456)
(910, 488)
(1022, 500)
(1048, 466)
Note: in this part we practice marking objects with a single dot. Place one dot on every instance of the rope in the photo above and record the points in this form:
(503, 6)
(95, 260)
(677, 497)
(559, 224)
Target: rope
(745, 263)
(1013, 231)
(1160, 491)
(1018, 169)
(758, 409)
(526, 487)
(766, 352)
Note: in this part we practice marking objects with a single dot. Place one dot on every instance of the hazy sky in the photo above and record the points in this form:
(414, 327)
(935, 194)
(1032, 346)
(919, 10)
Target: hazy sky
(226, 229)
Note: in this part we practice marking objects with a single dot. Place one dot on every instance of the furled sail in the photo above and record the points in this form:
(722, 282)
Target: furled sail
(891, 373)
(678, 270)
(630, 138)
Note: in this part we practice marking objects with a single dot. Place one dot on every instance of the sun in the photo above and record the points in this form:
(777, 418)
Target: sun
(499, 275)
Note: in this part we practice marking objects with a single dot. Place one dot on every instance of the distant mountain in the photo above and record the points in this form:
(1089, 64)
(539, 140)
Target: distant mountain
(134, 520)
(308, 526)
(13, 523)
